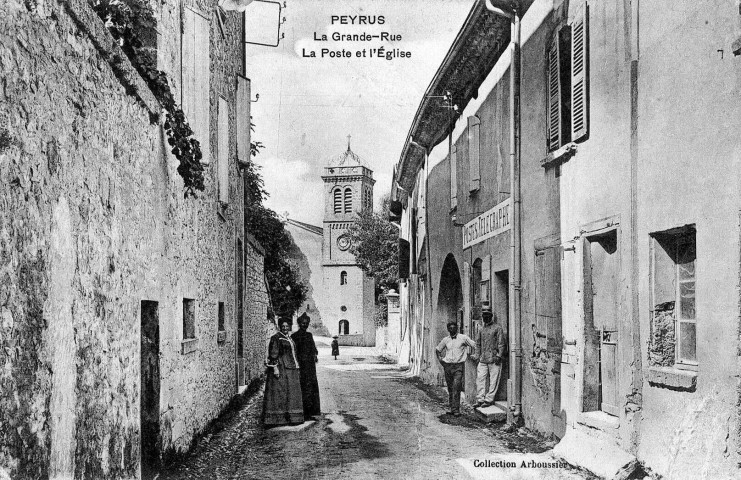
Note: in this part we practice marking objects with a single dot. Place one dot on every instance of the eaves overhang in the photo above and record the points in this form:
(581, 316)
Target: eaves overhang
(478, 46)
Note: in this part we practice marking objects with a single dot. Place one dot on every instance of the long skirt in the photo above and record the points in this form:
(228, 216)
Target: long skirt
(310, 389)
(282, 401)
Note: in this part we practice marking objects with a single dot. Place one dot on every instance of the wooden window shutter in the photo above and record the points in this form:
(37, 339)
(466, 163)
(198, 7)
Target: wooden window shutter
(404, 248)
(486, 281)
(548, 298)
(223, 149)
(580, 75)
(348, 200)
(486, 268)
(337, 201)
(413, 238)
(554, 95)
(541, 298)
(454, 177)
(196, 88)
(243, 120)
(187, 65)
(474, 178)
(467, 295)
(554, 334)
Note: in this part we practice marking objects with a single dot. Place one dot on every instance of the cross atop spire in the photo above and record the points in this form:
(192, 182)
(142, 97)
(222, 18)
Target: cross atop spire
(348, 158)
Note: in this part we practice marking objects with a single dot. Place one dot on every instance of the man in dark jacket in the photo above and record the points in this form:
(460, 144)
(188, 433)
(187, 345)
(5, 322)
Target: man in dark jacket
(490, 349)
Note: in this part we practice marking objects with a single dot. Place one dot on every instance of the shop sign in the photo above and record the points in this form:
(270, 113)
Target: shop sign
(489, 224)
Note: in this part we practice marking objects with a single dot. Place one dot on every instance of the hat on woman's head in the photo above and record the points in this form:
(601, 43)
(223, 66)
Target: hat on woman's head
(335, 336)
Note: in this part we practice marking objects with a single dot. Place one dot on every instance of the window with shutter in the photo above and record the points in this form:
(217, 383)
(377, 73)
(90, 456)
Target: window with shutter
(223, 150)
(558, 89)
(337, 201)
(196, 89)
(476, 291)
(580, 76)
(485, 286)
(673, 317)
(554, 95)
(467, 296)
(454, 177)
(474, 178)
(348, 200)
(548, 298)
(243, 119)
(404, 248)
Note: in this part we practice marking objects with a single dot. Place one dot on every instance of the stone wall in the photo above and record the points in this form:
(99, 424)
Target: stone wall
(82, 151)
(257, 327)
(93, 222)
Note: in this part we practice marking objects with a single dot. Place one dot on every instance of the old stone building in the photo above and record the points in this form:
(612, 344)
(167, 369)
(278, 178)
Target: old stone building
(605, 236)
(131, 315)
(349, 292)
(307, 253)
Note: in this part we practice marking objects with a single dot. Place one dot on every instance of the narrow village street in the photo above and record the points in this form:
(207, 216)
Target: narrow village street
(377, 422)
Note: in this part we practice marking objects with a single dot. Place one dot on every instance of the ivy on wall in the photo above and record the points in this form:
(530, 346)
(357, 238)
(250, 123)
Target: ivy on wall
(130, 23)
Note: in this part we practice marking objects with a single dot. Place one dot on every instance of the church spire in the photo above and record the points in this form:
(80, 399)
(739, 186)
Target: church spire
(348, 158)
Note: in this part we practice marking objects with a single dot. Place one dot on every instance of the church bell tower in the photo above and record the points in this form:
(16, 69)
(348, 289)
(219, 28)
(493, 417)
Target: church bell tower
(348, 191)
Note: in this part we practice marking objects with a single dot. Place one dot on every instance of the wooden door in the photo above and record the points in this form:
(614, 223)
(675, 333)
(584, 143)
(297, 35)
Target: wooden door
(604, 270)
(150, 389)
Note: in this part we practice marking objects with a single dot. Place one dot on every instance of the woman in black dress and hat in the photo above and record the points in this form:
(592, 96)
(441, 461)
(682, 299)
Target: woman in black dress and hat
(335, 347)
(307, 359)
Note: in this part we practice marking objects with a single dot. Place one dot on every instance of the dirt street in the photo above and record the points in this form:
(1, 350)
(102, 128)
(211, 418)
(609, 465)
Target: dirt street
(376, 423)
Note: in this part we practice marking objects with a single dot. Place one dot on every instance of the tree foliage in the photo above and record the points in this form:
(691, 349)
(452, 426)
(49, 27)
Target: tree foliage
(286, 288)
(374, 242)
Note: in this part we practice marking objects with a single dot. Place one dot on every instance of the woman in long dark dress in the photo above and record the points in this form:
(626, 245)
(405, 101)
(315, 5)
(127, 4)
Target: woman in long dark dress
(282, 402)
(335, 347)
(307, 359)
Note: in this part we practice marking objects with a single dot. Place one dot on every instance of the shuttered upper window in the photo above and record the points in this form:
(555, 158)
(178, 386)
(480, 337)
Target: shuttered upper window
(196, 75)
(348, 200)
(337, 200)
(567, 83)
(558, 64)
(580, 75)
(454, 177)
(223, 150)
(243, 119)
(474, 178)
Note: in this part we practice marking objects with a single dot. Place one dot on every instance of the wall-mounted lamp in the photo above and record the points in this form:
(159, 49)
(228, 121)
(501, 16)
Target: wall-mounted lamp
(447, 98)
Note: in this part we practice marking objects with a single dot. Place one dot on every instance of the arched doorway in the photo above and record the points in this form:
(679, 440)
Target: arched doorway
(450, 298)
(344, 327)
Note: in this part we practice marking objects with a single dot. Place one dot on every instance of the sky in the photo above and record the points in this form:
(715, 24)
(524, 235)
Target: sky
(309, 106)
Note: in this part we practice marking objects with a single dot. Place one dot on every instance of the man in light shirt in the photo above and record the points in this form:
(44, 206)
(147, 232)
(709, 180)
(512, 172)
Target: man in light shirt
(452, 352)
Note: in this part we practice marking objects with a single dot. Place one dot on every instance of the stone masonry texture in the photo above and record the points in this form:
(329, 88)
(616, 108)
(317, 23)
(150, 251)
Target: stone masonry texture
(92, 222)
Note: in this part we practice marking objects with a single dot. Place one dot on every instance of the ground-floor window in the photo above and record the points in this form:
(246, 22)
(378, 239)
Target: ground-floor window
(189, 318)
(673, 338)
